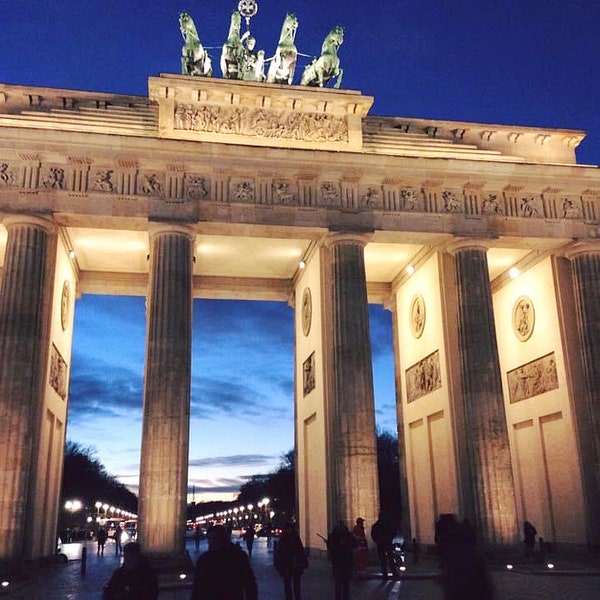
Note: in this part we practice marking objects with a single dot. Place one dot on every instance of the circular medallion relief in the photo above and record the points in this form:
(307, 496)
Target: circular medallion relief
(417, 315)
(306, 311)
(65, 301)
(523, 318)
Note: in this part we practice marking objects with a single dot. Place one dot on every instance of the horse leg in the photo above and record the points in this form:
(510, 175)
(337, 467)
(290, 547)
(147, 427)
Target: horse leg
(338, 81)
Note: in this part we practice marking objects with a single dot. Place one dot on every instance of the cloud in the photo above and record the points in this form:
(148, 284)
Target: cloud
(99, 389)
(232, 461)
(214, 397)
(218, 486)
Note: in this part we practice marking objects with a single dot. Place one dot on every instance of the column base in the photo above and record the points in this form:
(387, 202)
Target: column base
(171, 564)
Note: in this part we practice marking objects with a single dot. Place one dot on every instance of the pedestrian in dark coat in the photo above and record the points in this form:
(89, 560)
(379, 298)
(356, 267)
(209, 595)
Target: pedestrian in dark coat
(340, 546)
(101, 539)
(382, 533)
(249, 538)
(224, 571)
(135, 580)
(290, 561)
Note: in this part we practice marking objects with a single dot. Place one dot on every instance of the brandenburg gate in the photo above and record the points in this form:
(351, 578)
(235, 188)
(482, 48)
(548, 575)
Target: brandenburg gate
(482, 240)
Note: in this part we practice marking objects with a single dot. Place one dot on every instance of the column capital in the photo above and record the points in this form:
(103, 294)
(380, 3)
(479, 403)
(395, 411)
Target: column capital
(14, 219)
(459, 244)
(156, 228)
(580, 248)
(347, 238)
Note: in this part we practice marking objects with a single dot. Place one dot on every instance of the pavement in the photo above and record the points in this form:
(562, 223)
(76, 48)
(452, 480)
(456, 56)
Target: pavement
(569, 579)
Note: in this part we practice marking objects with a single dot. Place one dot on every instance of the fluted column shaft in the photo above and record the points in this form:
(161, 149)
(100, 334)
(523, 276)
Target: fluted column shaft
(165, 438)
(485, 432)
(353, 427)
(26, 284)
(586, 282)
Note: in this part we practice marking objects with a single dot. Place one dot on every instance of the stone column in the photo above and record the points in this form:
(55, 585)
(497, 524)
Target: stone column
(585, 268)
(24, 313)
(352, 412)
(165, 436)
(487, 487)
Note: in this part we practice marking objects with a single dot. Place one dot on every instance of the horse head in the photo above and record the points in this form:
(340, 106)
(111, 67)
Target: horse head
(334, 39)
(234, 26)
(288, 29)
(187, 28)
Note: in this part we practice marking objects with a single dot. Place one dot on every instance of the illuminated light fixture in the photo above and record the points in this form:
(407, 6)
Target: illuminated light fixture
(302, 264)
(509, 567)
(72, 255)
(403, 568)
(182, 576)
(5, 583)
(410, 269)
(513, 272)
(550, 566)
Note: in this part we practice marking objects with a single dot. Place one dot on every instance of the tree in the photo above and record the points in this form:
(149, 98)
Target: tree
(280, 484)
(388, 464)
(86, 478)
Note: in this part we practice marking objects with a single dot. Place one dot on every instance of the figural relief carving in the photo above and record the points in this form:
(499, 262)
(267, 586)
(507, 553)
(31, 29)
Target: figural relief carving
(417, 315)
(308, 375)
(58, 373)
(306, 314)
(54, 179)
(533, 378)
(258, 122)
(523, 318)
(423, 377)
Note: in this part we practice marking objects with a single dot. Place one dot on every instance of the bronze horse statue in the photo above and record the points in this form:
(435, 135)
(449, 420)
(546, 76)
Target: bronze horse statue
(327, 66)
(283, 64)
(232, 54)
(194, 58)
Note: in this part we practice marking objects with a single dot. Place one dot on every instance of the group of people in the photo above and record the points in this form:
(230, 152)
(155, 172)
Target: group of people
(348, 552)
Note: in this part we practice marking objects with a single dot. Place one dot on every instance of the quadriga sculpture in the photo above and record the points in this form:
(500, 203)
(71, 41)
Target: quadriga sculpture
(327, 66)
(194, 58)
(283, 64)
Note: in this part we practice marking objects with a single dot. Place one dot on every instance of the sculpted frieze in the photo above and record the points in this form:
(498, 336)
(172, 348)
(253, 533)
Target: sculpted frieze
(196, 187)
(58, 373)
(423, 377)
(150, 185)
(7, 175)
(283, 193)
(529, 207)
(533, 378)
(411, 201)
(258, 122)
(242, 191)
(452, 202)
(330, 193)
(104, 181)
(370, 199)
(570, 208)
(490, 204)
(53, 178)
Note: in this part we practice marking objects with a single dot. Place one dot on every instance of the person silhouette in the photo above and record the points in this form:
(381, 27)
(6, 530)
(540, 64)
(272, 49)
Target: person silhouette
(134, 579)
(224, 570)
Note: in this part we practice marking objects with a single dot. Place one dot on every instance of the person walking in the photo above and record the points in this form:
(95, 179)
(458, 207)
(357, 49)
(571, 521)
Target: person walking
(197, 536)
(290, 561)
(223, 572)
(134, 580)
(361, 548)
(101, 539)
(529, 533)
(249, 539)
(340, 546)
(382, 533)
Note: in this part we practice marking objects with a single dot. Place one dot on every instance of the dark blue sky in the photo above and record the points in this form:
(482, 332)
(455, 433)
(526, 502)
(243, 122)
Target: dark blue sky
(518, 62)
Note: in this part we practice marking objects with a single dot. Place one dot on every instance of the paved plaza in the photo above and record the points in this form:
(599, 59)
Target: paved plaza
(569, 580)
